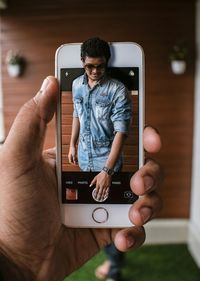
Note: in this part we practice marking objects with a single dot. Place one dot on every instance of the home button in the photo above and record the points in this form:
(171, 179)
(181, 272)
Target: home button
(100, 215)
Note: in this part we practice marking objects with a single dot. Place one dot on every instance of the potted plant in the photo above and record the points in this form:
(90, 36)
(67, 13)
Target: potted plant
(178, 58)
(15, 63)
(3, 4)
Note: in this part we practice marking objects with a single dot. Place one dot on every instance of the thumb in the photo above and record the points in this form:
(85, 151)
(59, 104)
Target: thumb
(26, 136)
(46, 98)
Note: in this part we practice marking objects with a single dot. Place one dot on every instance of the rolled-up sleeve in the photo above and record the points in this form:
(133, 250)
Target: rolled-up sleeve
(122, 111)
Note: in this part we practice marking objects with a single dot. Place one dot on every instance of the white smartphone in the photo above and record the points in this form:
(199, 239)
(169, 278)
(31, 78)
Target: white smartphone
(79, 206)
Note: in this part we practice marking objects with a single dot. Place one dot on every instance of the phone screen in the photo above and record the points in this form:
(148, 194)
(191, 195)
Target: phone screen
(76, 187)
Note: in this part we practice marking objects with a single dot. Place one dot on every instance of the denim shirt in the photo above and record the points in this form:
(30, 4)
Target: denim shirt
(102, 111)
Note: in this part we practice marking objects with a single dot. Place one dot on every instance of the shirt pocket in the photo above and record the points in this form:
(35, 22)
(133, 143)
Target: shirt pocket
(78, 105)
(102, 108)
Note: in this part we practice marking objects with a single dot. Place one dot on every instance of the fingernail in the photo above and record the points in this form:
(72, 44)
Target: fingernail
(130, 241)
(41, 91)
(44, 84)
(148, 182)
(145, 213)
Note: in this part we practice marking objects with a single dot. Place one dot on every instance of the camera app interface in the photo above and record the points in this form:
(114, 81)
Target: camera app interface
(99, 126)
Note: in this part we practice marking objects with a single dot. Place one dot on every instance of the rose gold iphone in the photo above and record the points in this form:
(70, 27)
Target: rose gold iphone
(100, 114)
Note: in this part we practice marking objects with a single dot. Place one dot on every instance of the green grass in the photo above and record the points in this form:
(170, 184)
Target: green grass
(149, 263)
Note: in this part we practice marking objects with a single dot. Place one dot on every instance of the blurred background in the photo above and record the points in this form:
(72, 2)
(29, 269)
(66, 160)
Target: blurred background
(168, 31)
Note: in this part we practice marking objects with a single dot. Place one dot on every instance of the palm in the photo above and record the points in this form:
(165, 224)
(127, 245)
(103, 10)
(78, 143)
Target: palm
(32, 210)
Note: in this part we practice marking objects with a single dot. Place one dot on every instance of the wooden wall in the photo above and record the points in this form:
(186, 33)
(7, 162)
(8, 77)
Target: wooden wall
(37, 28)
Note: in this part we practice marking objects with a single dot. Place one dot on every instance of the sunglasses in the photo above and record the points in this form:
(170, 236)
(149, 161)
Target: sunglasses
(90, 66)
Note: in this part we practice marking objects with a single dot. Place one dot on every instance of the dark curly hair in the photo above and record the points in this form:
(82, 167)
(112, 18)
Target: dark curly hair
(95, 47)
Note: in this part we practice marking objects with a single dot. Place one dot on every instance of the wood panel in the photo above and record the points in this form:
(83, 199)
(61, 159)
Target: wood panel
(37, 28)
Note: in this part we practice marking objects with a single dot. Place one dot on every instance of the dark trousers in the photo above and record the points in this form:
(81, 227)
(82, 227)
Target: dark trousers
(116, 259)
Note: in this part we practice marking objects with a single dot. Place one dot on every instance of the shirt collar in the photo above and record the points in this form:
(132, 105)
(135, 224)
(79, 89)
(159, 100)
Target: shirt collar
(100, 82)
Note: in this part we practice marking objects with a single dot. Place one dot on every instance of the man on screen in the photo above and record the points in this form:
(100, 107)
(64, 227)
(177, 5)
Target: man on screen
(101, 118)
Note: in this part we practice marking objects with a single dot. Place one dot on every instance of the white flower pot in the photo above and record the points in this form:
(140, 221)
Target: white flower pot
(14, 70)
(3, 4)
(178, 66)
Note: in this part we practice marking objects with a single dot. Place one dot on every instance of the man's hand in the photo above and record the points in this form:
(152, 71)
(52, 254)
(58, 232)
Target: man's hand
(34, 244)
(72, 155)
(102, 183)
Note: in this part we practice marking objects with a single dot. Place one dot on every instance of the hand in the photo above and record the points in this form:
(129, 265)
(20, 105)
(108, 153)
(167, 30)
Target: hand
(34, 244)
(72, 155)
(102, 181)
(146, 181)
